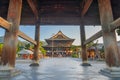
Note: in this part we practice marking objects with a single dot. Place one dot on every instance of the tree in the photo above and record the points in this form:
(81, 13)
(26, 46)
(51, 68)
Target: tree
(1, 46)
(27, 46)
(90, 44)
(75, 50)
(20, 46)
(102, 53)
(43, 51)
(24, 45)
(118, 31)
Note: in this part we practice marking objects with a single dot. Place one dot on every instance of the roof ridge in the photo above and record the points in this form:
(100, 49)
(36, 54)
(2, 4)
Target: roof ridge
(59, 35)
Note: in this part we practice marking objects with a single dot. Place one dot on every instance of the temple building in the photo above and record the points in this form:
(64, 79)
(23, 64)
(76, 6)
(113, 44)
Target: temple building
(58, 45)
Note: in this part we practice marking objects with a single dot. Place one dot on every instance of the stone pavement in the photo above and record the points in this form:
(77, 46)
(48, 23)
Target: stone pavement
(60, 69)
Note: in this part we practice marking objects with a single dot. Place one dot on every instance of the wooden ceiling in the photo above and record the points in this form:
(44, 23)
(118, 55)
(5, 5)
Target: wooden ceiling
(60, 12)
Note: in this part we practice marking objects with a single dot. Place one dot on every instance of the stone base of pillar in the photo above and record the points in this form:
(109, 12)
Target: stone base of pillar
(111, 72)
(85, 64)
(9, 72)
(35, 63)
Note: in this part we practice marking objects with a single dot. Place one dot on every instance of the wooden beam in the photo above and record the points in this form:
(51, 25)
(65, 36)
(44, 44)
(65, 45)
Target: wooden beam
(115, 24)
(4, 23)
(86, 7)
(33, 7)
(24, 36)
(95, 36)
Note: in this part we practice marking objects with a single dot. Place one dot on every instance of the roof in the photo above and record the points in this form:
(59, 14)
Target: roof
(55, 46)
(24, 51)
(59, 36)
(60, 12)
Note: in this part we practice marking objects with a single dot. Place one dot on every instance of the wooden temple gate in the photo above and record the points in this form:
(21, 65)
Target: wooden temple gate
(112, 55)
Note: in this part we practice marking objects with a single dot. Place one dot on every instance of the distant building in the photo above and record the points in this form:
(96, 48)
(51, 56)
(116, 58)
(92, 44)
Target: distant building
(59, 44)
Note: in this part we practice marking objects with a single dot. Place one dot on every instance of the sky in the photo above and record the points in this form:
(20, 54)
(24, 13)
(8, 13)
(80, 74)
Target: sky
(72, 31)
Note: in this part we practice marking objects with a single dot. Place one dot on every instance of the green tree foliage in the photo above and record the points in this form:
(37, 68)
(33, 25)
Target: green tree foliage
(102, 53)
(75, 50)
(27, 46)
(20, 46)
(1, 46)
(118, 31)
(24, 45)
(43, 51)
(90, 44)
(72, 47)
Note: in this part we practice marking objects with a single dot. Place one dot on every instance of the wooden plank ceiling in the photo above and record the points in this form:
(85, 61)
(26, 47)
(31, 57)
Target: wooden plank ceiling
(60, 12)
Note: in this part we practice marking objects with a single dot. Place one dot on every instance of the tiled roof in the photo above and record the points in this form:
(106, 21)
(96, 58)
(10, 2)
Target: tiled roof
(59, 36)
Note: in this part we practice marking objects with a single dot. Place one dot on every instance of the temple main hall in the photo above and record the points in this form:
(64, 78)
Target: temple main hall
(58, 45)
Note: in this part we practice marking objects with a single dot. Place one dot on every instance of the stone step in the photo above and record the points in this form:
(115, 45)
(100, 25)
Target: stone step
(9, 72)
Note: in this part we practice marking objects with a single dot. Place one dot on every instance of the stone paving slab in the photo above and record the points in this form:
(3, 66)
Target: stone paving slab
(60, 69)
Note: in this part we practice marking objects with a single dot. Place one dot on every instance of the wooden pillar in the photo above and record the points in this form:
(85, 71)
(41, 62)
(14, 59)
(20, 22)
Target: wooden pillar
(37, 39)
(83, 46)
(11, 36)
(112, 56)
(36, 47)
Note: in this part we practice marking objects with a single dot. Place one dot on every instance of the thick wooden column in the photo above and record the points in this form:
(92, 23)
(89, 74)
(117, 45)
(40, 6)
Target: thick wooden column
(11, 36)
(36, 47)
(83, 46)
(112, 55)
(37, 39)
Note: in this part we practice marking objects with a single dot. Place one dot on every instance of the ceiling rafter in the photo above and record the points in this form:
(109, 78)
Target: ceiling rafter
(33, 7)
(86, 4)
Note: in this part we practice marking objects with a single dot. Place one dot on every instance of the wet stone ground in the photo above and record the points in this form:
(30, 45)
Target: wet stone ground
(60, 69)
